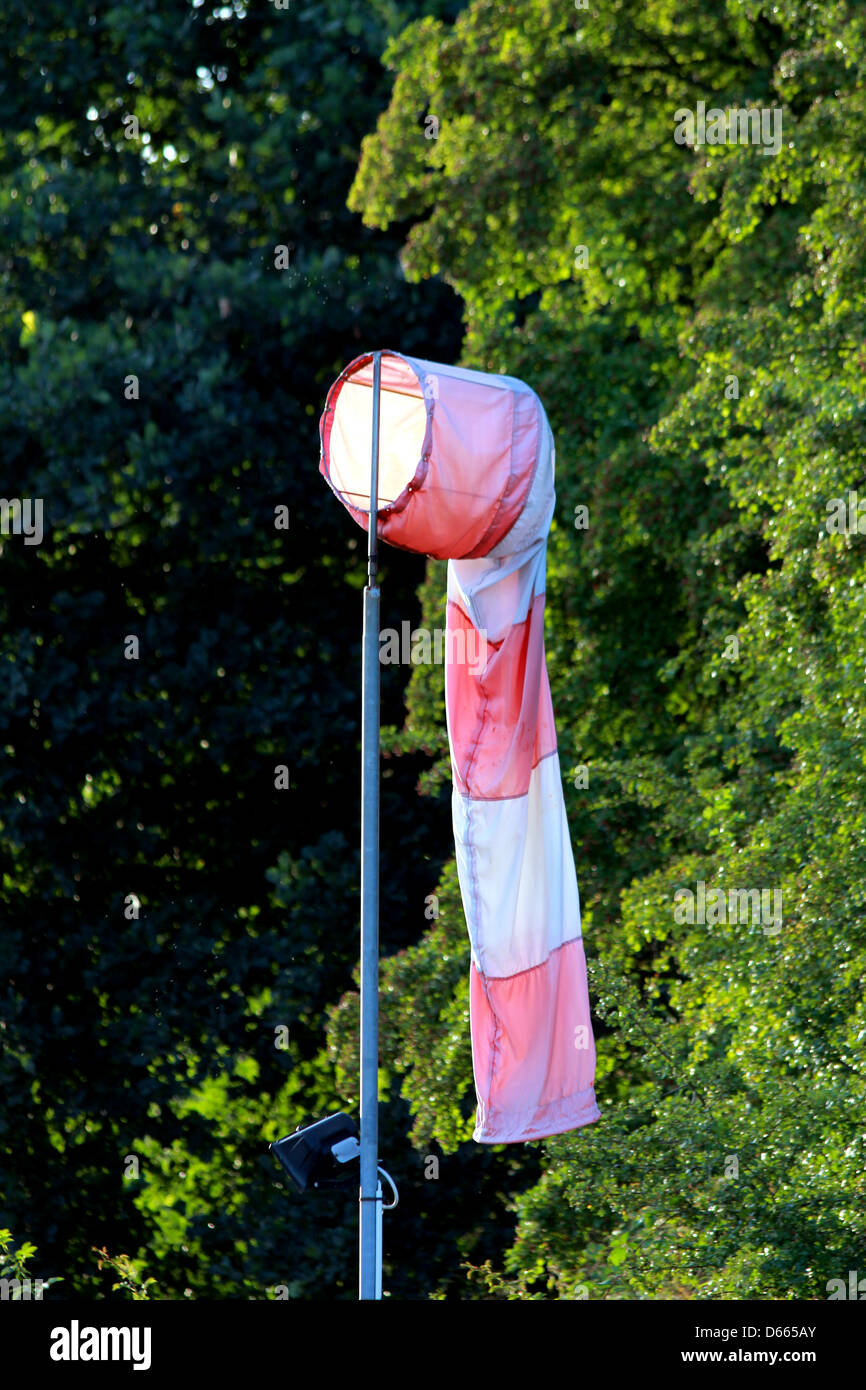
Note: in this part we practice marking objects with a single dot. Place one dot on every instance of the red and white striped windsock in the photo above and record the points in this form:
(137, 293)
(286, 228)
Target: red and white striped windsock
(466, 474)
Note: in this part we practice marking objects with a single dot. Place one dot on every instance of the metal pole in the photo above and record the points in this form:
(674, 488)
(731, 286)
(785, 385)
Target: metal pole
(370, 1250)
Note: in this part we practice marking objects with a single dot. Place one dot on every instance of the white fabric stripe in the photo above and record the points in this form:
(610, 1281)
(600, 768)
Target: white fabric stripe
(495, 591)
(496, 595)
(516, 870)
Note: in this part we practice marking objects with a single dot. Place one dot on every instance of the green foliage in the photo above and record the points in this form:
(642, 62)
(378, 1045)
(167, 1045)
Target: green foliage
(130, 1283)
(15, 1270)
(692, 318)
(142, 1069)
(703, 372)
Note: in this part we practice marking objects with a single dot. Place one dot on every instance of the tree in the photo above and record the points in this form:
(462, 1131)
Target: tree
(187, 627)
(691, 315)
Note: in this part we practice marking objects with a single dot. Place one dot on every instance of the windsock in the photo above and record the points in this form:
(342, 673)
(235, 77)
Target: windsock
(466, 474)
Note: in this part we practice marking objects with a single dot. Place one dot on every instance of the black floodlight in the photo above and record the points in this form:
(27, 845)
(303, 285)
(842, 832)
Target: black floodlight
(313, 1156)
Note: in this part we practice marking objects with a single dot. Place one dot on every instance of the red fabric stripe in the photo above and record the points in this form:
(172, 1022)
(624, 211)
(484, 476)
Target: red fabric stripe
(500, 718)
(532, 1036)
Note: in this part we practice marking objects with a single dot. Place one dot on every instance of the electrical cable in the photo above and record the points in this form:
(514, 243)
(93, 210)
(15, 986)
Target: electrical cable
(391, 1205)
